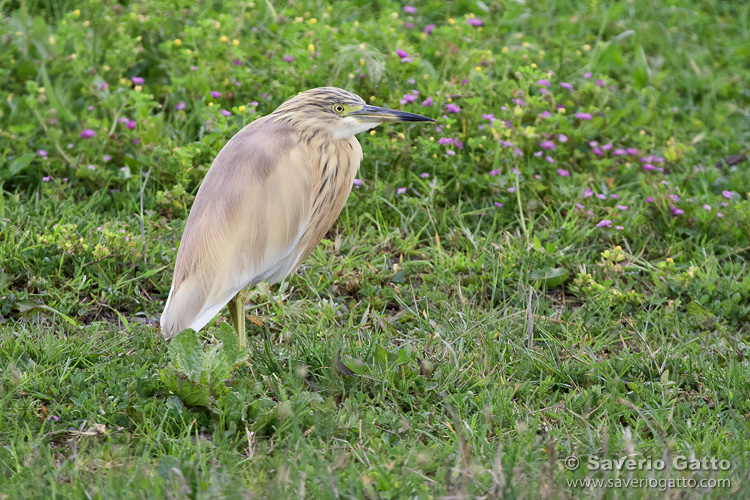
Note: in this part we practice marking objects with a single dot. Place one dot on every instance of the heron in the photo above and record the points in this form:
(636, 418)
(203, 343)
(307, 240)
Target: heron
(272, 193)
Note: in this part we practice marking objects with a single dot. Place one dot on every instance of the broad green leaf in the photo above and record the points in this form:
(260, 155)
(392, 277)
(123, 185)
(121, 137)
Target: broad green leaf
(402, 357)
(190, 392)
(216, 369)
(186, 354)
(18, 165)
(228, 338)
(549, 277)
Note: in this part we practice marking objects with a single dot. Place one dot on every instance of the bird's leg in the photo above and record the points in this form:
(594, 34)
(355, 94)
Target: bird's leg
(237, 311)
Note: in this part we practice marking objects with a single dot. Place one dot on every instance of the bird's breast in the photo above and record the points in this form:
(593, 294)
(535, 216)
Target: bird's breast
(334, 166)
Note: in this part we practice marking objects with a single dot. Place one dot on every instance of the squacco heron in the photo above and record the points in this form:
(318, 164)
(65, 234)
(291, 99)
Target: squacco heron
(271, 194)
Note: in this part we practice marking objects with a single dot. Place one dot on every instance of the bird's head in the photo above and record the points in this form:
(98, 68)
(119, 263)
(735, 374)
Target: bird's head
(340, 113)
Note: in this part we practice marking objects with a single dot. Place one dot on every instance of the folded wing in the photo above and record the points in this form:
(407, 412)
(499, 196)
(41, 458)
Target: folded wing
(244, 227)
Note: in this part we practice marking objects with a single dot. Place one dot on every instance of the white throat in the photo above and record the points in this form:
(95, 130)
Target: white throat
(349, 127)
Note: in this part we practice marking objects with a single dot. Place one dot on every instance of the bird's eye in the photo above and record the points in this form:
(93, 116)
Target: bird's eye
(338, 108)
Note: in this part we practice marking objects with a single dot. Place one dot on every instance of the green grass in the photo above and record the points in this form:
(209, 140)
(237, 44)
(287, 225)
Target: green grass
(434, 345)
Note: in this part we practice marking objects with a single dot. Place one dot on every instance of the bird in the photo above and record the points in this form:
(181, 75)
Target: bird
(270, 196)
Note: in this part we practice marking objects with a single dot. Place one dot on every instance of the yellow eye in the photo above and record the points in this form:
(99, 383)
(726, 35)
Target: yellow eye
(338, 108)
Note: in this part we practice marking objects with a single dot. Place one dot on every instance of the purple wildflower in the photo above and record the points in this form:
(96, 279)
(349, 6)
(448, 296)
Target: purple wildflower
(453, 108)
(562, 172)
(137, 80)
(87, 133)
(428, 29)
(707, 208)
(473, 21)
(427, 102)
(619, 152)
(445, 140)
(562, 138)
(498, 204)
(621, 207)
(600, 83)
(648, 166)
(544, 114)
(674, 198)
(225, 112)
(604, 223)
(719, 215)
(46, 178)
(568, 86)
(103, 86)
(356, 183)
(495, 172)
(106, 158)
(619, 228)
(130, 124)
(543, 83)
(288, 58)
(549, 159)
(236, 62)
(650, 199)
(489, 117)
(450, 152)
(583, 116)
(180, 106)
(632, 151)
(601, 196)
(42, 153)
(727, 194)
(677, 211)
(410, 10)
(401, 190)
(215, 94)
(588, 193)
(547, 145)
(519, 102)
(587, 75)
(424, 175)
(402, 53)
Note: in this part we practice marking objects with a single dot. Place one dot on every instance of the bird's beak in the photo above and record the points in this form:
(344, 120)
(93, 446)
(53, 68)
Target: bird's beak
(381, 115)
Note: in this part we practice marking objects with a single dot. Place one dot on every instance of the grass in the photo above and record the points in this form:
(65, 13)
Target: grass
(435, 344)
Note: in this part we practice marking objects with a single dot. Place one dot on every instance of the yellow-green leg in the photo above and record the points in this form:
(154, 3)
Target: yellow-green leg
(237, 311)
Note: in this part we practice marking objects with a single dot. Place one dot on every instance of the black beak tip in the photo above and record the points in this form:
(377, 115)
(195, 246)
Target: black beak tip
(418, 118)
